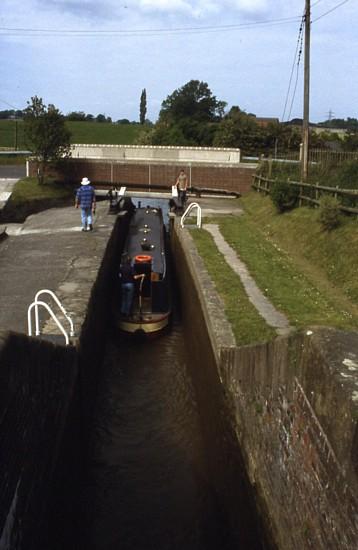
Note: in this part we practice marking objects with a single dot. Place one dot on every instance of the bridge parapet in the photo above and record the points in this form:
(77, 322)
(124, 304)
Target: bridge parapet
(157, 153)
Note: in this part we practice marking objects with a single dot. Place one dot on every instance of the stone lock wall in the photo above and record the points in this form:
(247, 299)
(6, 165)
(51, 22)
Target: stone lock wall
(47, 399)
(296, 418)
(293, 407)
(205, 327)
(37, 392)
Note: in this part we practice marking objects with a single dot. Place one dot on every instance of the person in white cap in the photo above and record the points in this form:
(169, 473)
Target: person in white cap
(86, 200)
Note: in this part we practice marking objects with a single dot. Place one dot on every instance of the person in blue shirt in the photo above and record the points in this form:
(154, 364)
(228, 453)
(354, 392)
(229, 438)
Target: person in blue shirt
(86, 200)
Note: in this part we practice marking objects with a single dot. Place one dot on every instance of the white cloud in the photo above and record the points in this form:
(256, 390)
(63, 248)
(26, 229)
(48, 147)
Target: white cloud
(165, 5)
(200, 8)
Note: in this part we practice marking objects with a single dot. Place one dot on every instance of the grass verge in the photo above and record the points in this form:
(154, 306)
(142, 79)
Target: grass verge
(28, 189)
(305, 272)
(330, 258)
(247, 325)
(28, 197)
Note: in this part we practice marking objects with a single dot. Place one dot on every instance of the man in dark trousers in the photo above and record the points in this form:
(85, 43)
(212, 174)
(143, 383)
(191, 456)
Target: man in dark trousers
(86, 200)
(182, 186)
(127, 276)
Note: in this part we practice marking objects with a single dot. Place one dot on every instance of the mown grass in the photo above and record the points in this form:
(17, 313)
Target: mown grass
(309, 274)
(12, 134)
(28, 189)
(81, 132)
(103, 133)
(328, 257)
(247, 325)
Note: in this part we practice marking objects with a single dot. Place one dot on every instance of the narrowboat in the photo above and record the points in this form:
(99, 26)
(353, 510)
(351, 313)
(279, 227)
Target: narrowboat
(146, 245)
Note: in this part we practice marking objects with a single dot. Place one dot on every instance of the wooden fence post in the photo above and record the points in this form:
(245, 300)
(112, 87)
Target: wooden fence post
(300, 201)
(254, 184)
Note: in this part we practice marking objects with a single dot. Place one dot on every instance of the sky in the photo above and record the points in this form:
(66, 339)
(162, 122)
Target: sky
(97, 56)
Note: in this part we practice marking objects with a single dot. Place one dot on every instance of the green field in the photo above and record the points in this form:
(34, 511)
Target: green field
(12, 133)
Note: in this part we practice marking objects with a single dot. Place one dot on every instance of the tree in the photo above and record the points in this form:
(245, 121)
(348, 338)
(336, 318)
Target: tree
(350, 142)
(11, 114)
(282, 138)
(46, 134)
(189, 116)
(143, 106)
(195, 101)
(238, 129)
(77, 116)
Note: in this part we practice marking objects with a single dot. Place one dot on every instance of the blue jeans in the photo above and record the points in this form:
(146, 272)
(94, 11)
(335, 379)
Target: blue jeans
(86, 216)
(127, 298)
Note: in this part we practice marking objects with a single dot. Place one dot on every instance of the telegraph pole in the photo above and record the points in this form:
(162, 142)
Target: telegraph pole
(306, 95)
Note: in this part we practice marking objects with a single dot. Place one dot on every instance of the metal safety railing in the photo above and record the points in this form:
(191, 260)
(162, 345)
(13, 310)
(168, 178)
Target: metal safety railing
(35, 305)
(187, 212)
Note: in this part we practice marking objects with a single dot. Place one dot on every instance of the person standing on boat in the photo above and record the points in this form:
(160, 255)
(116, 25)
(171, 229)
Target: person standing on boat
(182, 186)
(86, 200)
(127, 276)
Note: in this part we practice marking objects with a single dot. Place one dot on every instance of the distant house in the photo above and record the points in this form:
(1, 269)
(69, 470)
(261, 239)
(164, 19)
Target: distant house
(317, 129)
(340, 132)
(263, 122)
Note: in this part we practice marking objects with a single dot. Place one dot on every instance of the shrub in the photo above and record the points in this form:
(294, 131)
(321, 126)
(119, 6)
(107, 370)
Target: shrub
(284, 195)
(329, 212)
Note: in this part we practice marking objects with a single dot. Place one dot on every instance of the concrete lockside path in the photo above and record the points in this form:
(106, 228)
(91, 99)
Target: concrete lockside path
(50, 251)
(271, 315)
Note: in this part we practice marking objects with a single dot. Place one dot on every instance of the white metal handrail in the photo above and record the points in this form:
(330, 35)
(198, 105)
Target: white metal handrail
(54, 297)
(47, 307)
(188, 210)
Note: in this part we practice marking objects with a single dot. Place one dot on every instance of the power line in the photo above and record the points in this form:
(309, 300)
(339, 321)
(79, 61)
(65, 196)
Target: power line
(9, 105)
(330, 11)
(297, 75)
(300, 47)
(299, 41)
(21, 31)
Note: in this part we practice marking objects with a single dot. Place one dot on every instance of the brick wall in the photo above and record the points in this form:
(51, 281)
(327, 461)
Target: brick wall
(293, 405)
(296, 421)
(37, 386)
(231, 178)
(225, 460)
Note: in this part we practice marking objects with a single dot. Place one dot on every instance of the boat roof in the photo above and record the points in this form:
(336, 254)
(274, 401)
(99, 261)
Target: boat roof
(146, 236)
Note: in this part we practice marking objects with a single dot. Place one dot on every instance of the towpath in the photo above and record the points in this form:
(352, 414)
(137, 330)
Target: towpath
(272, 316)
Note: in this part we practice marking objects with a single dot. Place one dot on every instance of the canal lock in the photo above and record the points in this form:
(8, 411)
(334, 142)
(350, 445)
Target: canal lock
(159, 466)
